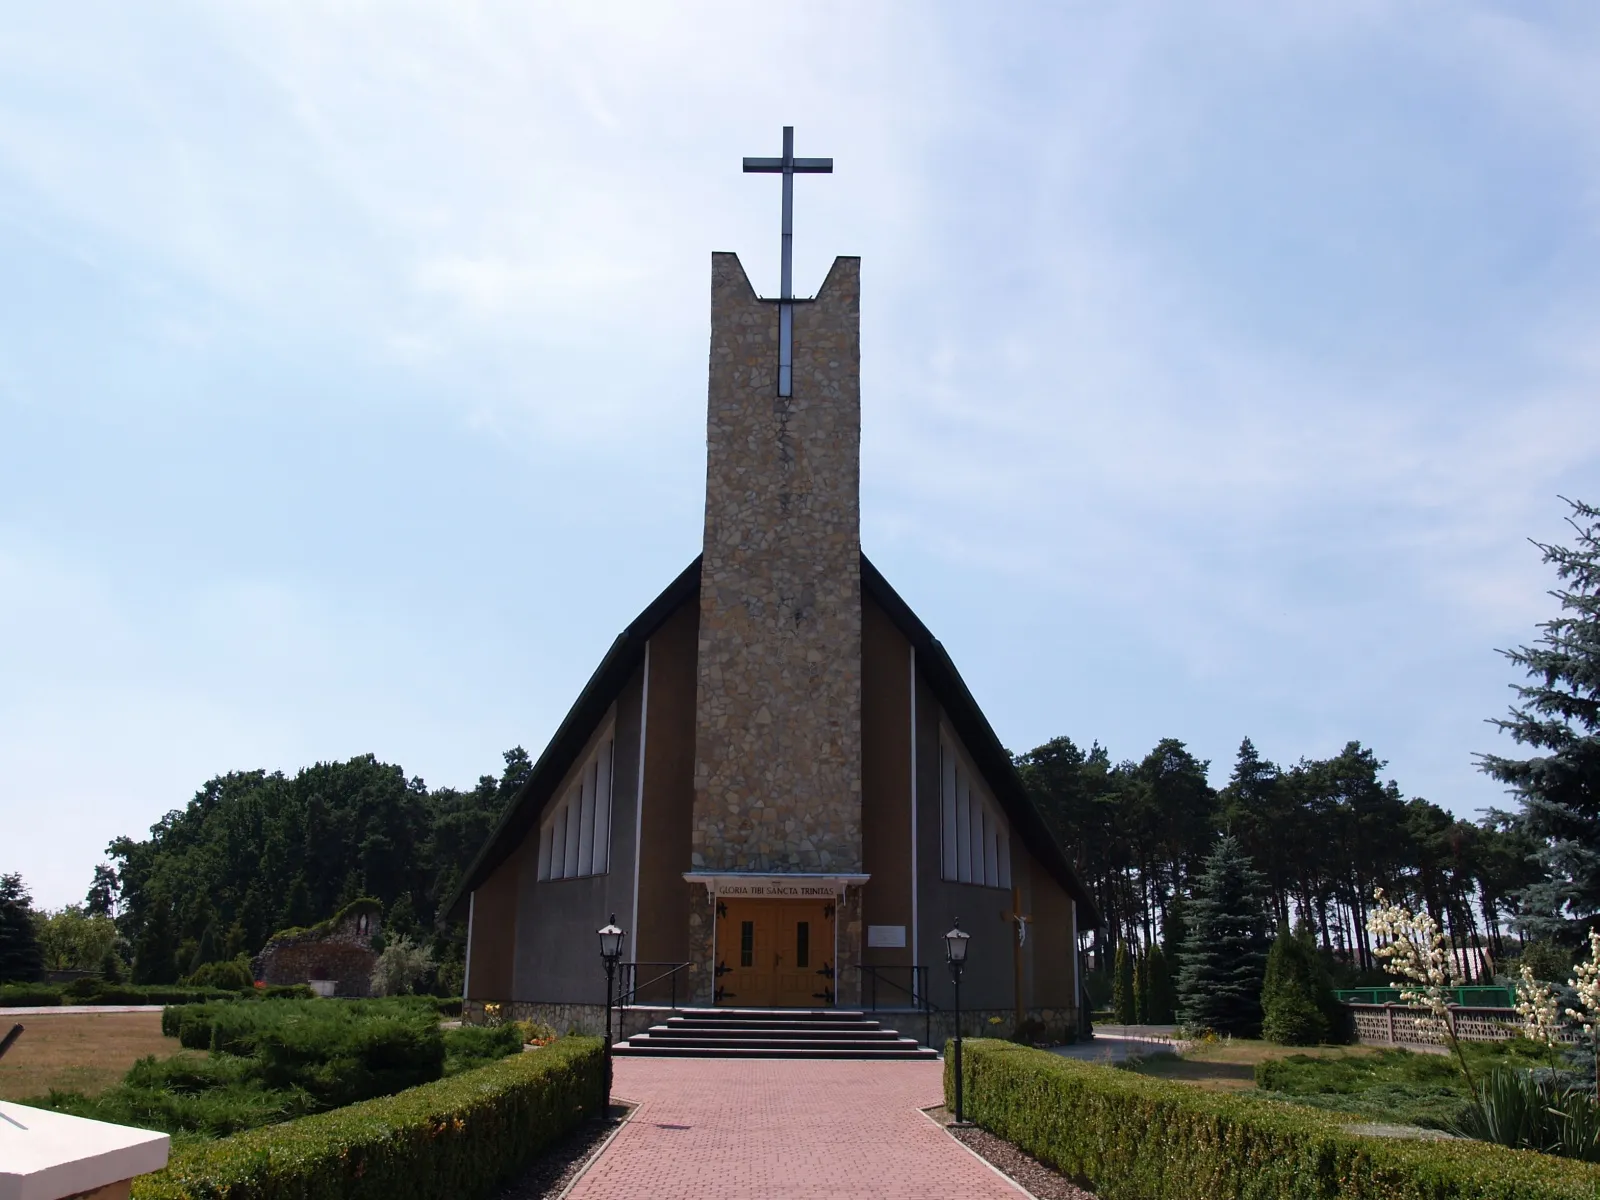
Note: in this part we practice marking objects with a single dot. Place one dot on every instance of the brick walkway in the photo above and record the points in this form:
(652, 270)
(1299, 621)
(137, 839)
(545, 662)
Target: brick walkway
(713, 1128)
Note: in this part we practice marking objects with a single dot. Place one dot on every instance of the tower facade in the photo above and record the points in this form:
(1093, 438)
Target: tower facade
(777, 781)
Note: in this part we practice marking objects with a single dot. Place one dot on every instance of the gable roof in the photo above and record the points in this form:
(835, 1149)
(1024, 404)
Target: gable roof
(626, 655)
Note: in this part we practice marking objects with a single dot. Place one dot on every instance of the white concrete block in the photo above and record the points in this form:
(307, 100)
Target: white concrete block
(47, 1155)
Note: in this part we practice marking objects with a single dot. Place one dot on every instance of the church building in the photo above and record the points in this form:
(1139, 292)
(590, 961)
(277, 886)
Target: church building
(775, 778)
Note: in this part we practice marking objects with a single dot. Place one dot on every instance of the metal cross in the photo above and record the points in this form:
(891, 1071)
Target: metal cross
(788, 166)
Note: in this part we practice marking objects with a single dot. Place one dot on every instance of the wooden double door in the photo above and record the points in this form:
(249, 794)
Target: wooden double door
(775, 954)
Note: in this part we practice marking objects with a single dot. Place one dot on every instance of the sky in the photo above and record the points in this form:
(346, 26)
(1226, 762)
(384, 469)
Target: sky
(1219, 361)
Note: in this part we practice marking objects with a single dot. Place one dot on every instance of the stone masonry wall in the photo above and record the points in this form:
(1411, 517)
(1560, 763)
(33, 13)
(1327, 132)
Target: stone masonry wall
(777, 782)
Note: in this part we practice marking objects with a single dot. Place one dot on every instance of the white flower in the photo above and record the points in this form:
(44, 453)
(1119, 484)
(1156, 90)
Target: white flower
(1540, 1009)
(1416, 954)
(1587, 985)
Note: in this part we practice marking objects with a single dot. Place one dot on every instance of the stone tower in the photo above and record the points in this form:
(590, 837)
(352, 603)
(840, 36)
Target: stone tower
(777, 777)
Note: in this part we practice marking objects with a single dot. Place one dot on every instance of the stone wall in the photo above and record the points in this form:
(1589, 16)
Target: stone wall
(777, 777)
(340, 950)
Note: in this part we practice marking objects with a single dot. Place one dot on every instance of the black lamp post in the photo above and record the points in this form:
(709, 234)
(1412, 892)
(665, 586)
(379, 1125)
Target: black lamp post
(955, 955)
(610, 952)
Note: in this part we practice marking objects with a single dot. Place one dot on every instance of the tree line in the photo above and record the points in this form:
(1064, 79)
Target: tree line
(1326, 833)
(253, 853)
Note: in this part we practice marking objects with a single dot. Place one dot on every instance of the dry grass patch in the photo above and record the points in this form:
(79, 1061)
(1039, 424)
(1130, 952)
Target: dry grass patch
(80, 1052)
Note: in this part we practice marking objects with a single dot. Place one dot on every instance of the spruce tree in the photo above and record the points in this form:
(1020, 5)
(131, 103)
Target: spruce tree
(20, 958)
(1225, 950)
(1558, 715)
(1122, 1001)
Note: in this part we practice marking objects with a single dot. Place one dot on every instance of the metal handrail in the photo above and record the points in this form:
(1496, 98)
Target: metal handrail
(628, 993)
(917, 993)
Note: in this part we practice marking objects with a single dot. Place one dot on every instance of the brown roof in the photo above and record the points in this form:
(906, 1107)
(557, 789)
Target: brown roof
(627, 654)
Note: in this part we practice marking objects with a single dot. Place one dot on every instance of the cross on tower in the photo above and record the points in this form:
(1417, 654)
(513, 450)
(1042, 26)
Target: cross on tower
(788, 166)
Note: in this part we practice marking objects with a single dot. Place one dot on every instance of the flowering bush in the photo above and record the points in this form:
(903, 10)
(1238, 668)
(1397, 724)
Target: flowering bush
(1415, 953)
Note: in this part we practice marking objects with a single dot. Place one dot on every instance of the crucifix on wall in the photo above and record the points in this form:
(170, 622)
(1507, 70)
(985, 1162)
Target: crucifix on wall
(1019, 919)
(788, 166)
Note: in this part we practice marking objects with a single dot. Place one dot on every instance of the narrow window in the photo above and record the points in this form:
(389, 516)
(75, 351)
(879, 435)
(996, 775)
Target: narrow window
(802, 944)
(586, 824)
(747, 943)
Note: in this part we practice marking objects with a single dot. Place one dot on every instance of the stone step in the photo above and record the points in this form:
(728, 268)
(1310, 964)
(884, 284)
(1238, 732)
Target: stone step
(662, 1033)
(772, 1033)
(777, 1042)
(831, 1027)
(905, 1050)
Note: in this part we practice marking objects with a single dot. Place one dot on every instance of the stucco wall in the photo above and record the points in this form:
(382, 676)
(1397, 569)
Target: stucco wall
(663, 933)
(886, 787)
(557, 950)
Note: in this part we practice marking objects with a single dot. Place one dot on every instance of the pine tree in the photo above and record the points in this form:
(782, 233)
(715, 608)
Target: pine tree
(20, 958)
(1558, 714)
(1225, 951)
(1122, 1001)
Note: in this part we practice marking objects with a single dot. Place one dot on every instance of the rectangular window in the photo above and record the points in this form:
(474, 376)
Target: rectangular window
(747, 943)
(802, 944)
(575, 839)
(975, 837)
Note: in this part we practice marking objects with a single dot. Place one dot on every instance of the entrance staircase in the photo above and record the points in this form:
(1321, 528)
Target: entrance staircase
(771, 1033)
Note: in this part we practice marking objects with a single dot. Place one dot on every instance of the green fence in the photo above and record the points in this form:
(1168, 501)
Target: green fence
(1467, 997)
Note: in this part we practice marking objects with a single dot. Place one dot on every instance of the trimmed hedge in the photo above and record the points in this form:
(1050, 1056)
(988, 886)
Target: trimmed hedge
(455, 1137)
(28, 995)
(1131, 1137)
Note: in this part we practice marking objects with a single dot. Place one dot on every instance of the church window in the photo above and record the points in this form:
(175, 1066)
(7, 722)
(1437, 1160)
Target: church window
(975, 839)
(802, 944)
(747, 943)
(575, 838)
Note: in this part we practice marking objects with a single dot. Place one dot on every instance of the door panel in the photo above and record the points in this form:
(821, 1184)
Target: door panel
(774, 954)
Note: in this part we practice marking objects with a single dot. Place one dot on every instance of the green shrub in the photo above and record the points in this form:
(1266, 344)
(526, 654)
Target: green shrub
(1529, 1110)
(28, 995)
(208, 1094)
(456, 1137)
(338, 1052)
(1396, 1085)
(1131, 1137)
(233, 975)
(474, 1046)
(98, 991)
(1296, 994)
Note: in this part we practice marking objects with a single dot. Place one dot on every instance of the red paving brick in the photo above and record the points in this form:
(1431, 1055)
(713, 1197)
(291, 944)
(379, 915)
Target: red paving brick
(711, 1128)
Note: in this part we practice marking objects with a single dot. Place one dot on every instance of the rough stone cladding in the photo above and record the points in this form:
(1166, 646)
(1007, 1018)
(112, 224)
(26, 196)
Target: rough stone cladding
(342, 953)
(777, 780)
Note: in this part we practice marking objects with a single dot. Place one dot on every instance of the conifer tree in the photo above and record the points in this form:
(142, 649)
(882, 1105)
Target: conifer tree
(20, 958)
(1558, 715)
(1225, 951)
(1296, 994)
(1141, 988)
(1122, 1001)
(1159, 1004)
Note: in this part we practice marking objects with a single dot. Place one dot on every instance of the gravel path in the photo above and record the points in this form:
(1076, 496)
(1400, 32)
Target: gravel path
(554, 1170)
(1029, 1173)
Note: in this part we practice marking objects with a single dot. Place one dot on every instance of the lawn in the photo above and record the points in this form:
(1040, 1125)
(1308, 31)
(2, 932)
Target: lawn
(1230, 1066)
(1392, 1085)
(78, 1052)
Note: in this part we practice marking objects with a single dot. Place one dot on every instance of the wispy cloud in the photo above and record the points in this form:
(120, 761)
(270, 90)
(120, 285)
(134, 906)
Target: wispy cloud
(1218, 363)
